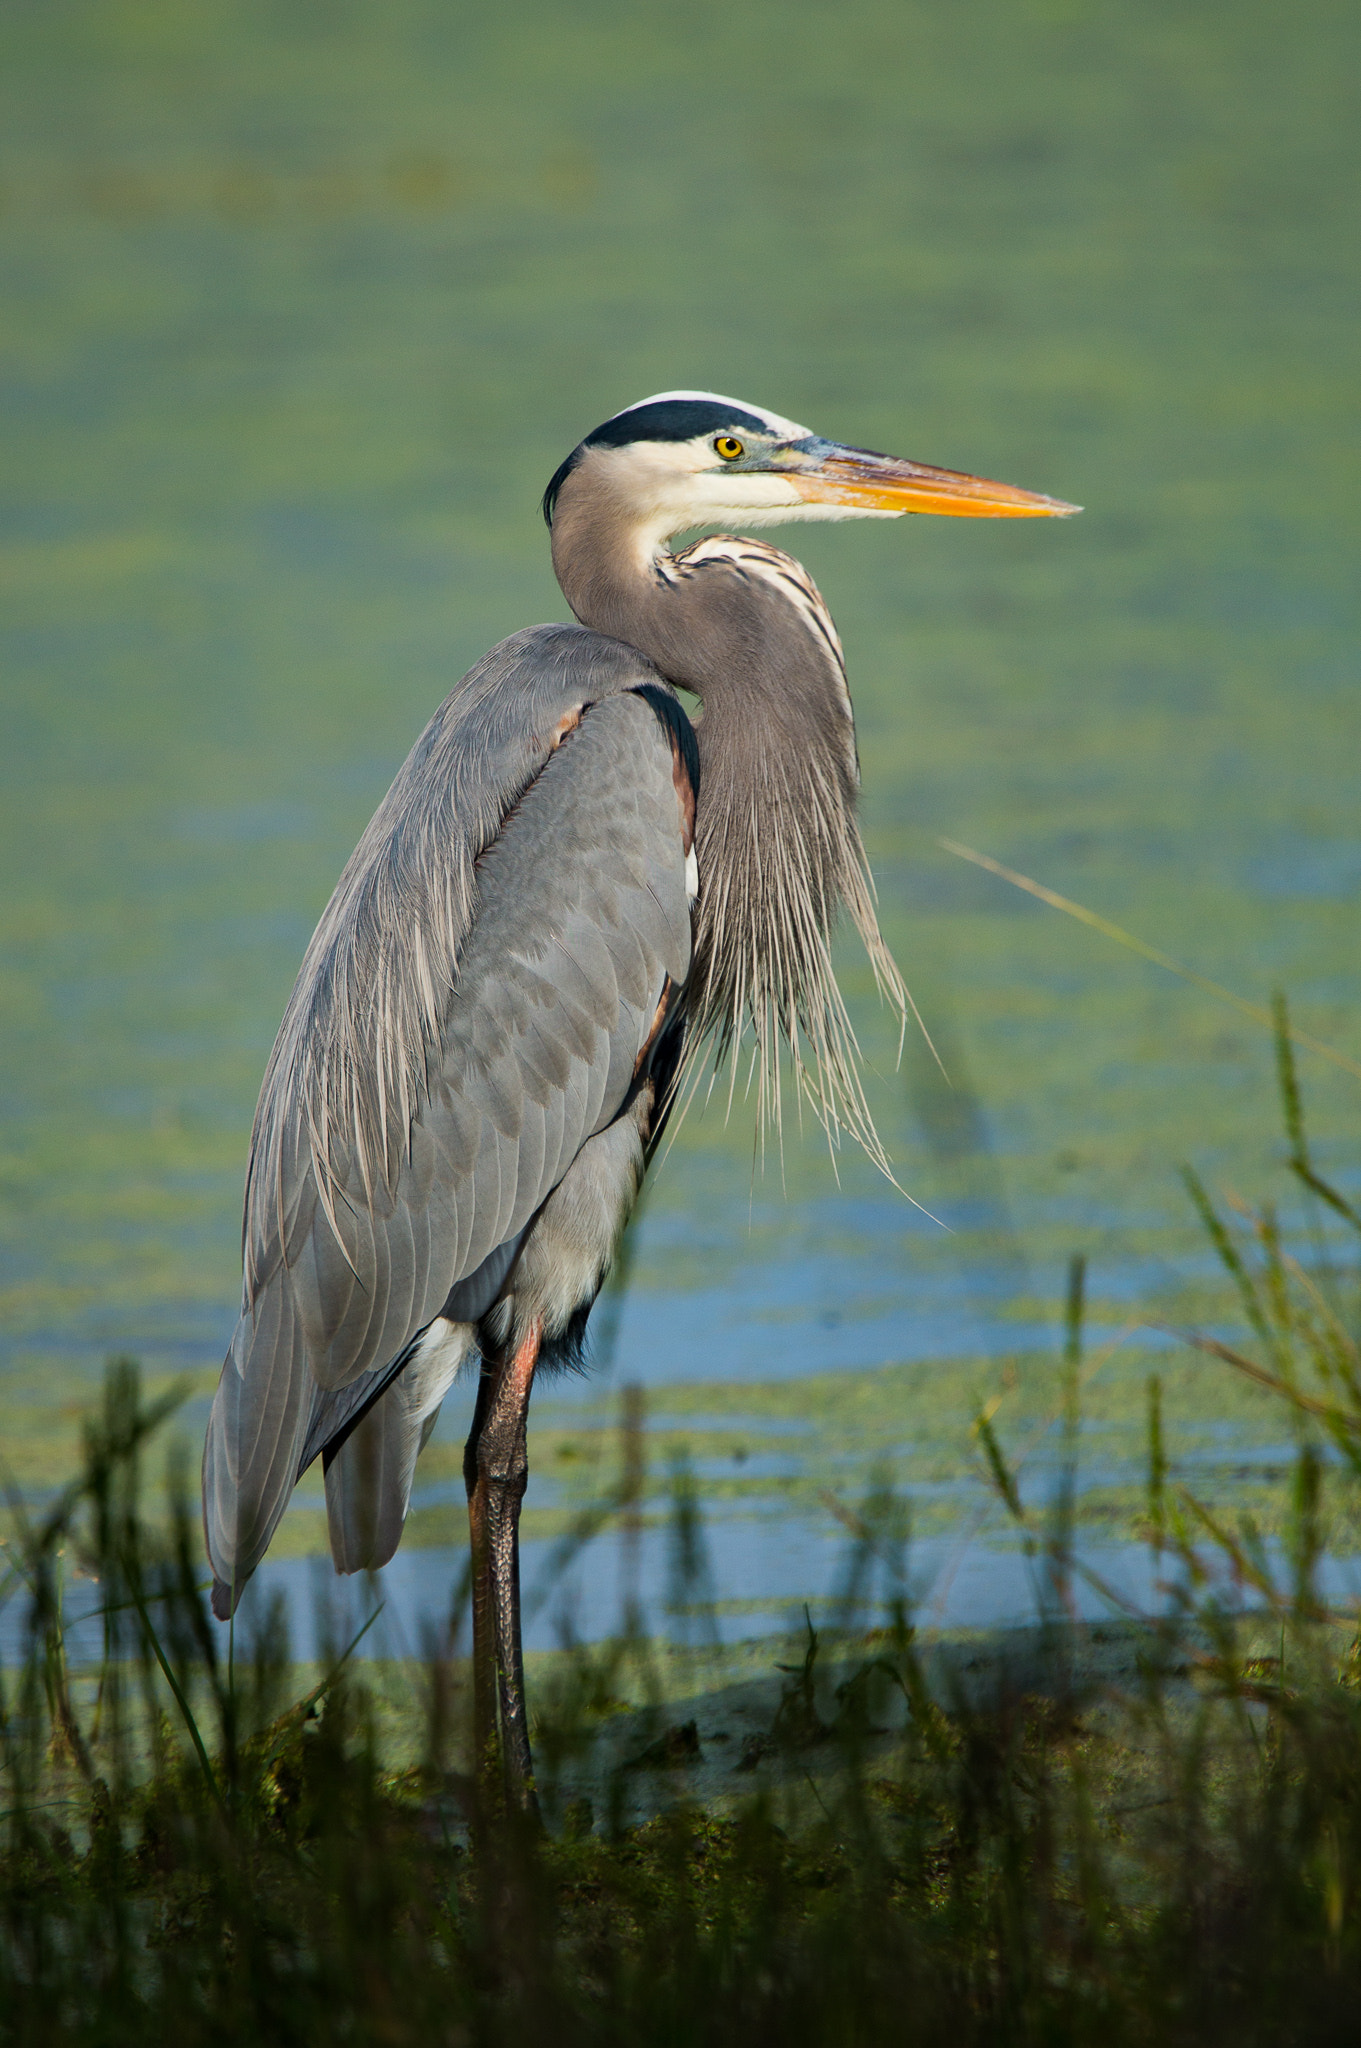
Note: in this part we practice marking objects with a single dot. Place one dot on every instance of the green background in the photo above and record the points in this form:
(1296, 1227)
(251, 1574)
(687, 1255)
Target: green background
(301, 304)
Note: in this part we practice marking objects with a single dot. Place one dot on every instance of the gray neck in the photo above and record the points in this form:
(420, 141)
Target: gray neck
(736, 640)
(742, 626)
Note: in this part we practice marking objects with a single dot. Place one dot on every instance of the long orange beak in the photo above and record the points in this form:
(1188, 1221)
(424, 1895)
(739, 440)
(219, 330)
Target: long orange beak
(882, 483)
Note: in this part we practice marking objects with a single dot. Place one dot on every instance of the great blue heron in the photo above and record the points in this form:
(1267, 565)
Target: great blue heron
(566, 892)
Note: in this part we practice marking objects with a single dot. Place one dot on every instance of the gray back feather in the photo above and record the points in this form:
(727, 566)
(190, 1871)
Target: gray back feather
(366, 1012)
(469, 1012)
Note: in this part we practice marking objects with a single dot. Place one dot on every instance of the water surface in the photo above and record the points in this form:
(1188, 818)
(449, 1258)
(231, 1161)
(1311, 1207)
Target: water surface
(299, 309)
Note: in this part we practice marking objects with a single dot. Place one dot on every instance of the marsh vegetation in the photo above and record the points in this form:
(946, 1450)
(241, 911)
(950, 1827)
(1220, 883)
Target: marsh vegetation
(1142, 1830)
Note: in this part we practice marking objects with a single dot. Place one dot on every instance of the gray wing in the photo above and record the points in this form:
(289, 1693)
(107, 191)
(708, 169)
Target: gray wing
(364, 1207)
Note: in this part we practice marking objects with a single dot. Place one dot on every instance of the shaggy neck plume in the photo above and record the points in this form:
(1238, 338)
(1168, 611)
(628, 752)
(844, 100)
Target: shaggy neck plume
(742, 626)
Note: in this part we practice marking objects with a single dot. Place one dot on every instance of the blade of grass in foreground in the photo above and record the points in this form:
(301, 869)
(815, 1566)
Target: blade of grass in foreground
(176, 1689)
(1256, 1011)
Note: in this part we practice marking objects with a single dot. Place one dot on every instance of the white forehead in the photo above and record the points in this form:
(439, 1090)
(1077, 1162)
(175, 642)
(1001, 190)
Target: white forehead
(788, 430)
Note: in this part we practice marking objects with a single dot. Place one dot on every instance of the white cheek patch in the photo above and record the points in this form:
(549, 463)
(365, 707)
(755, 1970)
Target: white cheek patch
(667, 487)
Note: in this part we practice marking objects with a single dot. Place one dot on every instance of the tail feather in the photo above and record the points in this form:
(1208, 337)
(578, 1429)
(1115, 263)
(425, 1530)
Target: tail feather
(255, 1436)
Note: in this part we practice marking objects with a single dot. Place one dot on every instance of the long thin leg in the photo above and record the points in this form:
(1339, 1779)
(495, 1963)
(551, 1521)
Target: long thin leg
(496, 1472)
(484, 1646)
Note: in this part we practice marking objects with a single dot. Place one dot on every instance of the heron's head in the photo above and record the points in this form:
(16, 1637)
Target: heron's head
(688, 459)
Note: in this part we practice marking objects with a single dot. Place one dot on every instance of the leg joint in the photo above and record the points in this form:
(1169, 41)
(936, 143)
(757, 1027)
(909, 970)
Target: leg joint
(503, 1464)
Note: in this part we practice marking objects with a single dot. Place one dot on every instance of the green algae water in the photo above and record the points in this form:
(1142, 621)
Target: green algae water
(300, 307)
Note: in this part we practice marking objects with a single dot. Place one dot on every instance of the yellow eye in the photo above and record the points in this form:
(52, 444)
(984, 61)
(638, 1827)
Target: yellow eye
(728, 448)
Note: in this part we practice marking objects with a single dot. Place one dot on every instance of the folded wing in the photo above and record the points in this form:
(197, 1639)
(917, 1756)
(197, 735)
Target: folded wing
(379, 1183)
